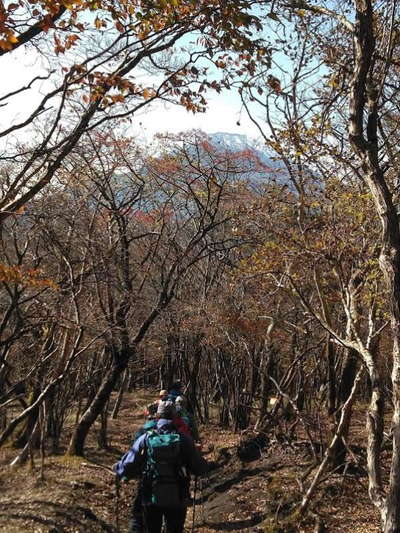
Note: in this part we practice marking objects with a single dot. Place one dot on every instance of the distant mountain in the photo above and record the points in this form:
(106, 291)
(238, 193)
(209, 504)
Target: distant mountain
(235, 142)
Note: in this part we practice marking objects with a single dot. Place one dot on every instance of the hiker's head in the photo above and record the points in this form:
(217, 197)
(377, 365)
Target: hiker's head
(163, 395)
(151, 410)
(166, 410)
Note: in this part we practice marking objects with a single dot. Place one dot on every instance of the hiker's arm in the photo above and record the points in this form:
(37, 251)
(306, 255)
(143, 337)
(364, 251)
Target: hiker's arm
(194, 461)
(130, 465)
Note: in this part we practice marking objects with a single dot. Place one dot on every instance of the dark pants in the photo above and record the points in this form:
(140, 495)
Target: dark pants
(174, 518)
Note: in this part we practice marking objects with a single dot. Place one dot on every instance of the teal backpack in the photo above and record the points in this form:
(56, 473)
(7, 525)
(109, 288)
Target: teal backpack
(164, 480)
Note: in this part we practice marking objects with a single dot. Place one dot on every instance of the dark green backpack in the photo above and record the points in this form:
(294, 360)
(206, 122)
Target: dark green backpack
(164, 480)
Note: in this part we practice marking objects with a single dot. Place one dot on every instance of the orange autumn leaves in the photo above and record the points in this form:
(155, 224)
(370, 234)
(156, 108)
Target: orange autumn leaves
(17, 275)
(28, 18)
(67, 24)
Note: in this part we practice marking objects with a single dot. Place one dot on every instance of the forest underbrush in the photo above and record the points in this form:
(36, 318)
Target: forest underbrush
(250, 488)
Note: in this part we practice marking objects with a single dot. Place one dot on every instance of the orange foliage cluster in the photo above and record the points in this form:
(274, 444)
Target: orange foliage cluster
(26, 277)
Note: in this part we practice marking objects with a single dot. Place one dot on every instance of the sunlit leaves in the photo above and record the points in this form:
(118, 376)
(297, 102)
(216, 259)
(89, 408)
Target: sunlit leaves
(17, 275)
(332, 229)
(66, 22)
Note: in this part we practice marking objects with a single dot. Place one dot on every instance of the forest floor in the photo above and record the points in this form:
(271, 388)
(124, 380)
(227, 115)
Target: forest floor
(76, 495)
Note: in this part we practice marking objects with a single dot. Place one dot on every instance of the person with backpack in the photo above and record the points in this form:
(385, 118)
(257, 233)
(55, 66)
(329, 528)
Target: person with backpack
(175, 390)
(163, 396)
(187, 417)
(180, 424)
(164, 458)
(136, 521)
(136, 524)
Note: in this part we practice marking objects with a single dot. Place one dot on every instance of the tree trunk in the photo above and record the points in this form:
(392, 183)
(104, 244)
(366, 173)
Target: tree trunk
(118, 401)
(265, 371)
(347, 378)
(330, 359)
(103, 429)
(363, 135)
(348, 375)
(23, 456)
(392, 517)
(168, 364)
(344, 420)
(25, 431)
(338, 451)
(77, 442)
(375, 433)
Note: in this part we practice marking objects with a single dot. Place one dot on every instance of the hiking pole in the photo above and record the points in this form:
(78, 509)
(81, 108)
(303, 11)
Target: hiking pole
(117, 495)
(202, 511)
(194, 502)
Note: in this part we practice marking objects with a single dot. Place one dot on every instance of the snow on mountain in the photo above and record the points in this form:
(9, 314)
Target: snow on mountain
(235, 142)
(231, 141)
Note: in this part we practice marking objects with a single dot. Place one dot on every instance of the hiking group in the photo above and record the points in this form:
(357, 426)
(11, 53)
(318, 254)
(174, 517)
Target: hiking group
(163, 454)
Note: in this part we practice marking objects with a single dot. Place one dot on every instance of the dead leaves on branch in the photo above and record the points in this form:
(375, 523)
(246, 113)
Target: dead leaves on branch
(28, 18)
(67, 24)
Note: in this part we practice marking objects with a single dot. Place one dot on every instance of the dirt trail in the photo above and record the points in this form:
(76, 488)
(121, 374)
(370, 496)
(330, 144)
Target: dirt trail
(254, 495)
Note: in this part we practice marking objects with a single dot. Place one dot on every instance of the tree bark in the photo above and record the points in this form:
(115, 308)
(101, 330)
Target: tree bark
(375, 434)
(347, 378)
(265, 371)
(77, 442)
(118, 401)
(363, 136)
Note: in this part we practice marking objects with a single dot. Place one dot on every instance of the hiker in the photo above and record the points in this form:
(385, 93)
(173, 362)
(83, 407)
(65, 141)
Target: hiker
(136, 521)
(188, 418)
(163, 396)
(153, 412)
(186, 411)
(164, 458)
(177, 420)
(175, 390)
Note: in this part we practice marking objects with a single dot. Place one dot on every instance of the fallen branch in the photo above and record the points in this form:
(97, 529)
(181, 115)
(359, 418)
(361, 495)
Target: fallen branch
(101, 467)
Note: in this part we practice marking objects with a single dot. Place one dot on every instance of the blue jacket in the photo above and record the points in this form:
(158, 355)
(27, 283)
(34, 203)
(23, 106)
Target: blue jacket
(147, 426)
(173, 394)
(133, 462)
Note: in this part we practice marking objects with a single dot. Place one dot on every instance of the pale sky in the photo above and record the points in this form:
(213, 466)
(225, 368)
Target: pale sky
(223, 113)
